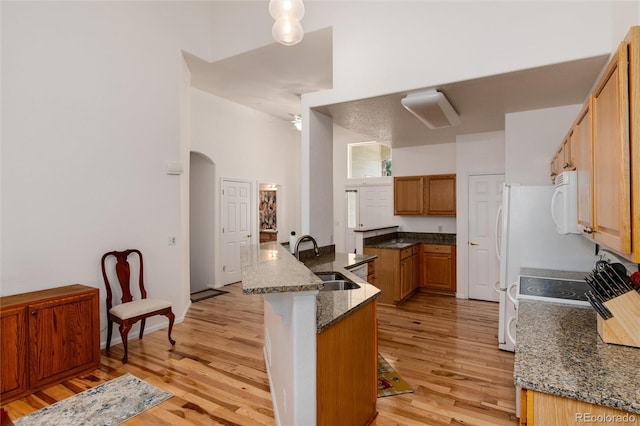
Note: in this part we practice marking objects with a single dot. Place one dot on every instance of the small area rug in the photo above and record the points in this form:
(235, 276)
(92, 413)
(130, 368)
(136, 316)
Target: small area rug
(389, 381)
(206, 294)
(110, 403)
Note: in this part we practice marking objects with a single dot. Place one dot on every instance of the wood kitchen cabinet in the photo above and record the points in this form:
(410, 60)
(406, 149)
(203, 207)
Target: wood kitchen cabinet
(347, 370)
(563, 160)
(431, 195)
(582, 143)
(538, 408)
(438, 267)
(396, 273)
(47, 337)
(408, 195)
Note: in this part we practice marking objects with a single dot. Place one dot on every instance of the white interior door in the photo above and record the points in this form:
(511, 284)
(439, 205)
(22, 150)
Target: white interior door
(485, 198)
(236, 226)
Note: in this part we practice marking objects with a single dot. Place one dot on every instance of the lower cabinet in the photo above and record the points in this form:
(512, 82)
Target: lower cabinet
(537, 408)
(47, 337)
(395, 272)
(439, 267)
(347, 370)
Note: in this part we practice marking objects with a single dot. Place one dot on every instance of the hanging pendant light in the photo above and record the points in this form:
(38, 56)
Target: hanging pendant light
(287, 29)
(292, 8)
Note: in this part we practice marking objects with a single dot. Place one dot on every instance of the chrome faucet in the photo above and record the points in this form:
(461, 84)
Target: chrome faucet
(306, 238)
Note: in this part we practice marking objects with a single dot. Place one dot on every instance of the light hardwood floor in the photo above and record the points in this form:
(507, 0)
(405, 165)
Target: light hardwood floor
(444, 347)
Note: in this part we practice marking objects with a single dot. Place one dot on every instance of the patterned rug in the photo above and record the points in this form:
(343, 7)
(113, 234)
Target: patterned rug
(389, 382)
(110, 403)
(206, 294)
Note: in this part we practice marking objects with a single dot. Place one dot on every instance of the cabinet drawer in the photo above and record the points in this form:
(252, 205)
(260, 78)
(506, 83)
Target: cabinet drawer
(432, 248)
(404, 253)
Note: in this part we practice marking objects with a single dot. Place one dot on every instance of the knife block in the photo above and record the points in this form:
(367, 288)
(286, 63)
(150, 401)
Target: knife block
(624, 327)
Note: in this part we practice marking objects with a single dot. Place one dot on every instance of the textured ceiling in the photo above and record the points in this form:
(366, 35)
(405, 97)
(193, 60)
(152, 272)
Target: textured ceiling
(272, 78)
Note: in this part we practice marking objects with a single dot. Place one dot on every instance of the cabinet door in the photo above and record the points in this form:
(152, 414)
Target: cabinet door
(13, 362)
(583, 155)
(408, 195)
(568, 153)
(438, 269)
(406, 276)
(63, 337)
(440, 195)
(611, 164)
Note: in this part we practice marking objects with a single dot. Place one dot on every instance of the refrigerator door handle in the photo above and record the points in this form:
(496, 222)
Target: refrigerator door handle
(498, 216)
(510, 295)
(510, 336)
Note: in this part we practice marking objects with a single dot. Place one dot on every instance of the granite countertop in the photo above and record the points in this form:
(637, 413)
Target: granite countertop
(271, 268)
(559, 352)
(400, 243)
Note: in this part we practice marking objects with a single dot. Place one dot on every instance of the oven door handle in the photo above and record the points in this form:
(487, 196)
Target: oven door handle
(510, 294)
(510, 336)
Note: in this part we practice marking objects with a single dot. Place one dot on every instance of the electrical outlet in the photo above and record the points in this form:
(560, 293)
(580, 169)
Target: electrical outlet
(439, 228)
(172, 241)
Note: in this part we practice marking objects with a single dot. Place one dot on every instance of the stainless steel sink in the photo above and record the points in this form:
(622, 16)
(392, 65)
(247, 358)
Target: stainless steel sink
(336, 281)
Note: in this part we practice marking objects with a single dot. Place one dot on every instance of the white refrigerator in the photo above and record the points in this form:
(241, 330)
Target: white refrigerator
(528, 238)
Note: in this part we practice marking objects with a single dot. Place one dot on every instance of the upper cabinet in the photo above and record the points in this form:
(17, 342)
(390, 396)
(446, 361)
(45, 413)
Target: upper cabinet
(606, 138)
(432, 195)
(563, 160)
(408, 195)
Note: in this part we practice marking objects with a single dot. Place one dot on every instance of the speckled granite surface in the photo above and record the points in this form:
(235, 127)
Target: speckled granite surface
(400, 240)
(559, 351)
(334, 306)
(270, 268)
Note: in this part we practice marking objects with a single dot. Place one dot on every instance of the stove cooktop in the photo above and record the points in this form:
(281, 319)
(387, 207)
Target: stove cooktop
(556, 290)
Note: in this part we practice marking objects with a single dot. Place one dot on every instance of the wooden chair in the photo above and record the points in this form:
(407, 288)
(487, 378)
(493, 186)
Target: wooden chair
(131, 311)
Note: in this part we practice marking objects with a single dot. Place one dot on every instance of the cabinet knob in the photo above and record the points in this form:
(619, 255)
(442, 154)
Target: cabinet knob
(565, 165)
(588, 230)
(34, 313)
(449, 257)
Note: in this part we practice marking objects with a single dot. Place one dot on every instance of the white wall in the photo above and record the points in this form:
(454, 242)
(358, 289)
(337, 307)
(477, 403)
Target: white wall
(531, 139)
(479, 153)
(250, 145)
(91, 112)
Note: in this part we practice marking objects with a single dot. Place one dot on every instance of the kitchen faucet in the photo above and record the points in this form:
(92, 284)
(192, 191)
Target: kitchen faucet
(306, 238)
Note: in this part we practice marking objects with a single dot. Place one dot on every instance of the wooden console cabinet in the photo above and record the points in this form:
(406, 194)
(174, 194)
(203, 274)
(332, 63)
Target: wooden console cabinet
(47, 337)
(396, 272)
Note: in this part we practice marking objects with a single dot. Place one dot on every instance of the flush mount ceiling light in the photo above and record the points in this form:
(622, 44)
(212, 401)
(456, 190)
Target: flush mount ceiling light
(287, 29)
(432, 108)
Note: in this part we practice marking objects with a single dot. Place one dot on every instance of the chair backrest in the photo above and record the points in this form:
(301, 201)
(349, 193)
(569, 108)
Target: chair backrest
(123, 272)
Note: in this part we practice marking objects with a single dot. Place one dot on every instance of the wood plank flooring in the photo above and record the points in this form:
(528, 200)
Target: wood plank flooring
(444, 347)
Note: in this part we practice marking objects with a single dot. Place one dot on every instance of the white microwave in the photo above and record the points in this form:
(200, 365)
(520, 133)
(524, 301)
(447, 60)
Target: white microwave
(564, 203)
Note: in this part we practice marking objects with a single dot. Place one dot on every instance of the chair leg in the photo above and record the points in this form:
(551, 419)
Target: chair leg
(142, 322)
(172, 318)
(124, 332)
(109, 333)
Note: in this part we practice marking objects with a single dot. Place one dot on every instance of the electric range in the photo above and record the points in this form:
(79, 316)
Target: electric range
(557, 290)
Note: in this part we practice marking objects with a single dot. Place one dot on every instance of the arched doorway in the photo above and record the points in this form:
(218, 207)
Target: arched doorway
(202, 216)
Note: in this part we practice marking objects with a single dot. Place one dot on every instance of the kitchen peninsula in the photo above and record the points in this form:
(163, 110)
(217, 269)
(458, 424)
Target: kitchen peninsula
(567, 372)
(320, 347)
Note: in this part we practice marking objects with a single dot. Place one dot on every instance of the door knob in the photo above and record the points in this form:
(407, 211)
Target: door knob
(473, 243)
